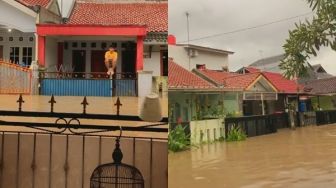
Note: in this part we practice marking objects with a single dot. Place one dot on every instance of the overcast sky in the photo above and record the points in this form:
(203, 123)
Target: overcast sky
(219, 16)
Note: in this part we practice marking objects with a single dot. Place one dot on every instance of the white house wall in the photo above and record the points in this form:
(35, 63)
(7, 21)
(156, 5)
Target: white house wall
(13, 17)
(51, 54)
(213, 61)
(206, 131)
(153, 63)
(67, 54)
(16, 43)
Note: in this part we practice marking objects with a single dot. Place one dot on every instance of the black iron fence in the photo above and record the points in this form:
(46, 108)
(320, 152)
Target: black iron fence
(57, 150)
(325, 117)
(257, 125)
(31, 159)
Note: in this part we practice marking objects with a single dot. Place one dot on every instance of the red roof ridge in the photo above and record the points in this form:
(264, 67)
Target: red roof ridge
(122, 2)
(153, 15)
(180, 77)
(29, 3)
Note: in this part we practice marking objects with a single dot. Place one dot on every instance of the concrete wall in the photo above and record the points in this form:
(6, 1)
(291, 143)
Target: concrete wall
(153, 62)
(206, 131)
(80, 155)
(213, 61)
(14, 18)
(16, 42)
(51, 54)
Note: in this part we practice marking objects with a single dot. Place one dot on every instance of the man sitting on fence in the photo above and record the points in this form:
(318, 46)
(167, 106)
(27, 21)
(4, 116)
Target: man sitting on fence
(111, 57)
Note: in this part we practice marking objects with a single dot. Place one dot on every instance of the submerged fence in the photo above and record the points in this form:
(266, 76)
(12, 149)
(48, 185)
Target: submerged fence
(325, 117)
(257, 125)
(14, 79)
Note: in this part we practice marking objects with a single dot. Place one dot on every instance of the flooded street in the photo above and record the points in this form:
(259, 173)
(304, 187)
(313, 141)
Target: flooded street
(304, 158)
(97, 105)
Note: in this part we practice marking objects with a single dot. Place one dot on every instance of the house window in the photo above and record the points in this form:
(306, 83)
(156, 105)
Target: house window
(177, 112)
(1, 38)
(103, 45)
(31, 39)
(66, 45)
(14, 54)
(74, 44)
(185, 114)
(93, 45)
(11, 38)
(164, 63)
(83, 45)
(27, 55)
(20, 38)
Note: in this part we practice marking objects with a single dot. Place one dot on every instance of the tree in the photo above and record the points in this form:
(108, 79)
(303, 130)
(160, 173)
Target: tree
(308, 37)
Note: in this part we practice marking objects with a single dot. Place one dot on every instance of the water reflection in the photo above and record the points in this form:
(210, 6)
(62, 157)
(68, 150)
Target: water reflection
(302, 158)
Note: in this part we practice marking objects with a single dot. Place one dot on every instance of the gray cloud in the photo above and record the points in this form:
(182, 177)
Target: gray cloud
(218, 16)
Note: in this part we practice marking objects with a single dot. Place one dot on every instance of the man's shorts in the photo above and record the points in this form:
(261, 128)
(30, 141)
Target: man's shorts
(110, 63)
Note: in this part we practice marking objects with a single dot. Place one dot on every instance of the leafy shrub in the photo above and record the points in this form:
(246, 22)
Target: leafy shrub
(236, 134)
(178, 140)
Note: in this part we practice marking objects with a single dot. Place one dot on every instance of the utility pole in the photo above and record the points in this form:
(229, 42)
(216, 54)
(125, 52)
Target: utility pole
(188, 33)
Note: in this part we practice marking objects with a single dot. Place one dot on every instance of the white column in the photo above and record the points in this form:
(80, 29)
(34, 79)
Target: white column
(145, 83)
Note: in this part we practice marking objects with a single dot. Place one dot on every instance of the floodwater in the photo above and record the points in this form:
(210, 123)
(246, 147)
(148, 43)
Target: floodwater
(97, 105)
(301, 158)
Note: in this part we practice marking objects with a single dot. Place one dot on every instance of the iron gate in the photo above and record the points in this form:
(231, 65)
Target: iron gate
(64, 153)
(14, 79)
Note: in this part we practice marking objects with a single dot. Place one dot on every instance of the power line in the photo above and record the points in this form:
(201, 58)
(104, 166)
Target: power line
(248, 28)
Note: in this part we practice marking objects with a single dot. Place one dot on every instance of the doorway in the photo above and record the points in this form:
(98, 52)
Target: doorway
(129, 58)
(97, 61)
(164, 63)
(1, 53)
(78, 60)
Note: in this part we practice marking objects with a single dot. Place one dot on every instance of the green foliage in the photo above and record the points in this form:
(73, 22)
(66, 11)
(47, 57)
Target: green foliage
(236, 134)
(233, 114)
(308, 37)
(178, 140)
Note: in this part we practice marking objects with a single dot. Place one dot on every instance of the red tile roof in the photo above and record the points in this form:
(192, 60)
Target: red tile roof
(43, 3)
(241, 81)
(282, 84)
(230, 80)
(153, 15)
(180, 78)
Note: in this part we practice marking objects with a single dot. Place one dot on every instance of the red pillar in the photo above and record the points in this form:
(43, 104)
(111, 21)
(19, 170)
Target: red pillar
(59, 54)
(139, 56)
(41, 50)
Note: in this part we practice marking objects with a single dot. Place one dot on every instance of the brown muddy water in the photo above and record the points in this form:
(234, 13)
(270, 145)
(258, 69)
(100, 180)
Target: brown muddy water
(303, 158)
(97, 105)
